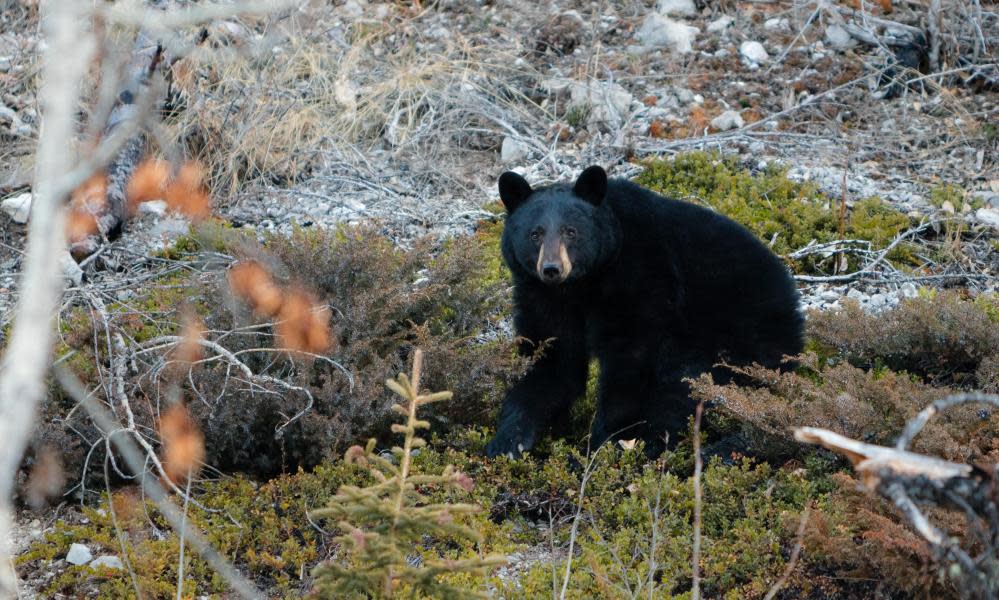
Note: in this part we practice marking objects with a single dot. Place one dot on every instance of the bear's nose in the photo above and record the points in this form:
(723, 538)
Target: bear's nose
(551, 271)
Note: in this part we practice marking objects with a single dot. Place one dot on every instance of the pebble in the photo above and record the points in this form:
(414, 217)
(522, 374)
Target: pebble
(109, 562)
(18, 207)
(658, 31)
(676, 7)
(729, 119)
(989, 216)
(838, 37)
(153, 207)
(511, 151)
(754, 52)
(720, 24)
(71, 271)
(777, 23)
(78, 555)
(908, 290)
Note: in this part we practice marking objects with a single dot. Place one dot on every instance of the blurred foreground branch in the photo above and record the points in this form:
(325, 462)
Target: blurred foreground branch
(26, 360)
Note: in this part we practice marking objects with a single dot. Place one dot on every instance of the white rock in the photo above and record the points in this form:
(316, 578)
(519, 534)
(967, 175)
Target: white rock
(838, 37)
(153, 207)
(71, 271)
(754, 52)
(345, 93)
(18, 207)
(829, 295)
(659, 32)
(608, 103)
(878, 300)
(78, 555)
(989, 216)
(512, 151)
(354, 8)
(676, 7)
(908, 290)
(776, 23)
(729, 119)
(684, 95)
(110, 562)
(856, 295)
(557, 85)
(720, 24)
(948, 207)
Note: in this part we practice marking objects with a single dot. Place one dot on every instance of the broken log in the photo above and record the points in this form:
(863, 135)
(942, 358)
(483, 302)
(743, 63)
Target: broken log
(135, 95)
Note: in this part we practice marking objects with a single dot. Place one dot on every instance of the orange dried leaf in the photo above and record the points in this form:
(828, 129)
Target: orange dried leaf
(148, 182)
(251, 282)
(79, 226)
(192, 332)
(183, 444)
(187, 194)
(657, 129)
(47, 478)
(303, 324)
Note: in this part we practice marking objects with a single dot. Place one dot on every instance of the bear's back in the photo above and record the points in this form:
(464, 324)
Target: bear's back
(729, 281)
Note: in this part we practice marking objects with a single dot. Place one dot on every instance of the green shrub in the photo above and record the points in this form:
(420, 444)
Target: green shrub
(783, 213)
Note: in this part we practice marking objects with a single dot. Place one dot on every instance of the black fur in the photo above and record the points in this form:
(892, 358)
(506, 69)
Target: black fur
(658, 290)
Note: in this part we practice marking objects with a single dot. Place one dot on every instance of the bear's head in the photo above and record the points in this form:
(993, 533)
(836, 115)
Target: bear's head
(560, 233)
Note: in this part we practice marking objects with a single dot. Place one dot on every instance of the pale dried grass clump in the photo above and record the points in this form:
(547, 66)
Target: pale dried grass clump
(283, 98)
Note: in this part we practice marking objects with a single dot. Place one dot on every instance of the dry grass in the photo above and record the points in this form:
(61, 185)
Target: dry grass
(285, 97)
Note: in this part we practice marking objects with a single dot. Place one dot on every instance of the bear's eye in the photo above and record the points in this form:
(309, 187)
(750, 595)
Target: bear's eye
(570, 232)
(536, 235)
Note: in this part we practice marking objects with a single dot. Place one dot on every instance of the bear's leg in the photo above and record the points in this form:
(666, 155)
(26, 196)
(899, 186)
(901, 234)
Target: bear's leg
(551, 385)
(669, 407)
(625, 382)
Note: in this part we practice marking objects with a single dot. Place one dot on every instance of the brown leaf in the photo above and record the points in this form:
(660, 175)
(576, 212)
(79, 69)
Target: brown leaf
(303, 324)
(254, 285)
(148, 182)
(187, 193)
(47, 478)
(183, 444)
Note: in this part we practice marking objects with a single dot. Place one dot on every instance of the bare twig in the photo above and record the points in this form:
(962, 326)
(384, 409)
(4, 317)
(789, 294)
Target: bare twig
(695, 558)
(795, 553)
(574, 530)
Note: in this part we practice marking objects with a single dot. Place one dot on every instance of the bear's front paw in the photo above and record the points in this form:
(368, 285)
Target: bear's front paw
(510, 443)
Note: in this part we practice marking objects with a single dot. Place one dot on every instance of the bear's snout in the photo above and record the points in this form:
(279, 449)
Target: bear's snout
(553, 262)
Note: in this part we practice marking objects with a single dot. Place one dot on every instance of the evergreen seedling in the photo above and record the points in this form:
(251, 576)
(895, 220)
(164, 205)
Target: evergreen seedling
(384, 523)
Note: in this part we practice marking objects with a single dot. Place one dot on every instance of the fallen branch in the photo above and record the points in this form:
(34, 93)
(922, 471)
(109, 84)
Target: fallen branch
(906, 478)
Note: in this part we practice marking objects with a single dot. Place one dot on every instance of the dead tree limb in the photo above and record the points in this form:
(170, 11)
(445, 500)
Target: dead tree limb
(909, 479)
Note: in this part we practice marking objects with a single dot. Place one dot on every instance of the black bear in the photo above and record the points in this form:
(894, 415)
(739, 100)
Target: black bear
(655, 289)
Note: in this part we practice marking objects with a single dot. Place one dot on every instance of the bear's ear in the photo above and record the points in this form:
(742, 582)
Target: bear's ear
(513, 190)
(591, 185)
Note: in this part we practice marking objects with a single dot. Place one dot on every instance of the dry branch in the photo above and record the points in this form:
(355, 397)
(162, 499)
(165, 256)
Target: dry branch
(907, 478)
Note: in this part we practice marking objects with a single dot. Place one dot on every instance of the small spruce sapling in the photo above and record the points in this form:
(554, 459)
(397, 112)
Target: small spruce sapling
(385, 521)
